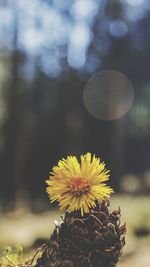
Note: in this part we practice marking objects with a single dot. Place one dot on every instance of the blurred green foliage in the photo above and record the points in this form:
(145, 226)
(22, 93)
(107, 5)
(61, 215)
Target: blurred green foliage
(11, 256)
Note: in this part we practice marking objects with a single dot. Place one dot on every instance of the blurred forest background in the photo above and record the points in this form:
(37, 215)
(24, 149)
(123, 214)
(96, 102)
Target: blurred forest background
(48, 51)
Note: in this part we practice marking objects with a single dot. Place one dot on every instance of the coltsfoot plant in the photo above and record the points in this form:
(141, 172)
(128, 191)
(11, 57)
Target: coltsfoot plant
(90, 235)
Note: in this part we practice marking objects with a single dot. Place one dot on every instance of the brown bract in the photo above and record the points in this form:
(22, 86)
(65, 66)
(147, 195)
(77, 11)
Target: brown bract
(95, 240)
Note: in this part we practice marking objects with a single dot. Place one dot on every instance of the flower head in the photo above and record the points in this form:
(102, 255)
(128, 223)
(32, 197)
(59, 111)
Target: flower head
(77, 186)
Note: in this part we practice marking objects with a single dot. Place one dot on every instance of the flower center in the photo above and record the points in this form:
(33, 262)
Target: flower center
(79, 186)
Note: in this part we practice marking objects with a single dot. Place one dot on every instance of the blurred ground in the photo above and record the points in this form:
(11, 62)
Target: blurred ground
(27, 229)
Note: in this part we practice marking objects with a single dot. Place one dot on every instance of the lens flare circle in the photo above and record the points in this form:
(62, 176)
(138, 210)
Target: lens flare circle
(108, 95)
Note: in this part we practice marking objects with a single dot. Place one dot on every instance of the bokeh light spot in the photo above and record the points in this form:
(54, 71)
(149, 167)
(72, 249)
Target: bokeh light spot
(118, 28)
(108, 95)
(135, 2)
(82, 9)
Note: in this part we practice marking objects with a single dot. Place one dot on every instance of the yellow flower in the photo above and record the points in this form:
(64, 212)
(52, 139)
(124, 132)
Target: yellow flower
(77, 186)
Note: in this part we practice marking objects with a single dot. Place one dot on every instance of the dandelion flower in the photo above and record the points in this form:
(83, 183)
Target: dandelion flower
(78, 185)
